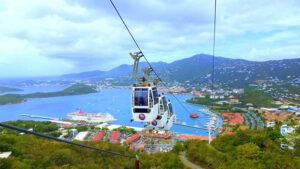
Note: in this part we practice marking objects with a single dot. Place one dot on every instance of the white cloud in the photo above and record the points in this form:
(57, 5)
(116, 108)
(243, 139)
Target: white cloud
(68, 34)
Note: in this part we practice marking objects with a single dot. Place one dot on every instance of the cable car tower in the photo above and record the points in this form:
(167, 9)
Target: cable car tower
(147, 105)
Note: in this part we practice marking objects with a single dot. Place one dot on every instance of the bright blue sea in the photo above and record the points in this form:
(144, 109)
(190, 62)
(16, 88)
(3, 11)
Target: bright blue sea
(115, 101)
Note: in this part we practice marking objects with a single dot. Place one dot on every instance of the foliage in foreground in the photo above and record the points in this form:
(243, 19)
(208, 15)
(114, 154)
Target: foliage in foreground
(258, 149)
(30, 152)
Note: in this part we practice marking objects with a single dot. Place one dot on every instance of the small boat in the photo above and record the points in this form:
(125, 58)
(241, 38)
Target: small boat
(183, 123)
(194, 115)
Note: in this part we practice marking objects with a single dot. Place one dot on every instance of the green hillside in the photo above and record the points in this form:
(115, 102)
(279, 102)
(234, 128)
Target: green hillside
(257, 98)
(30, 152)
(76, 89)
(8, 89)
(257, 149)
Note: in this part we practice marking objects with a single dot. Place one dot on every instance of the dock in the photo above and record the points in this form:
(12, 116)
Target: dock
(191, 126)
(40, 117)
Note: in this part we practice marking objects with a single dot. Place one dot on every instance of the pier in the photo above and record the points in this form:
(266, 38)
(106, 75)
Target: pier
(191, 126)
(40, 117)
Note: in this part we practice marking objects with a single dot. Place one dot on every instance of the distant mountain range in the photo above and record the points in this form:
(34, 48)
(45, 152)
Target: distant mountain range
(198, 69)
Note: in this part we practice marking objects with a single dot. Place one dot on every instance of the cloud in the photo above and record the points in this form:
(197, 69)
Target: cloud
(69, 34)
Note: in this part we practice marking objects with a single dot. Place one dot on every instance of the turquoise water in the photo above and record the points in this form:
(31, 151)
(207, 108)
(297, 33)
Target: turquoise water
(115, 101)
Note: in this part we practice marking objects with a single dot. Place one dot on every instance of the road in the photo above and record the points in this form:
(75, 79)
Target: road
(186, 161)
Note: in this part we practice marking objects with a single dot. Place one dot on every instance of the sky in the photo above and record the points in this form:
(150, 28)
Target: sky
(54, 37)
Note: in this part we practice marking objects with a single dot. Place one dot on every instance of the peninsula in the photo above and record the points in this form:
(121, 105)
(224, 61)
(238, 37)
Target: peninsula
(76, 89)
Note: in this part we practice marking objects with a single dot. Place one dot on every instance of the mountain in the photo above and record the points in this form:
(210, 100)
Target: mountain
(198, 68)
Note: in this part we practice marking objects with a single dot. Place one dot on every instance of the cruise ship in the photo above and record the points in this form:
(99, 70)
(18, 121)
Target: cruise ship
(91, 118)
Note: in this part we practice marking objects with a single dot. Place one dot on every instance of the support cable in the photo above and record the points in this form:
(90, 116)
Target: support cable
(213, 64)
(214, 42)
(144, 55)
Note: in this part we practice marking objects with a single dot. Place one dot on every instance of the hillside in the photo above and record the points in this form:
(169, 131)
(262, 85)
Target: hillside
(30, 152)
(197, 69)
(245, 149)
(76, 89)
(8, 89)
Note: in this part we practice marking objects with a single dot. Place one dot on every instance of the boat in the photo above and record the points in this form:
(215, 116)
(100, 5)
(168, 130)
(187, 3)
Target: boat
(194, 115)
(183, 123)
(90, 117)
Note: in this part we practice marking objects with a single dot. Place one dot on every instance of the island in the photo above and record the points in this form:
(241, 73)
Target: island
(9, 89)
(76, 89)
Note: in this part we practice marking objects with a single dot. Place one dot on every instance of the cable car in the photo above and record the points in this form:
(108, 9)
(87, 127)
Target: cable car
(144, 103)
(161, 120)
(166, 118)
(147, 106)
(144, 95)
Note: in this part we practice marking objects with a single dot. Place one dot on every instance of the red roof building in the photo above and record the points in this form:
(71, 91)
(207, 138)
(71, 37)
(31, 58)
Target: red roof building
(98, 136)
(133, 138)
(114, 136)
(234, 118)
(166, 135)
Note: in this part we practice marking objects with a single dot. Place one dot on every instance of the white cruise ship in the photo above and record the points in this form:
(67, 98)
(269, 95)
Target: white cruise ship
(91, 118)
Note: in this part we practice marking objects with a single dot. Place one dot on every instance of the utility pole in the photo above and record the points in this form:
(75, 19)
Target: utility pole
(209, 138)
(137, 162)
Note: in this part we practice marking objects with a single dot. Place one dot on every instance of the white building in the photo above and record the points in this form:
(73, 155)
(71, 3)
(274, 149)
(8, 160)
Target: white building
(73, 132)
(5, 154)
(286, 130)
(81, 135)
(271, 124)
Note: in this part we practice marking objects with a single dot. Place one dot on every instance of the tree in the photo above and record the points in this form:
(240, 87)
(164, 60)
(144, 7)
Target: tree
(274, 135)
(61, 157)
(248, 151)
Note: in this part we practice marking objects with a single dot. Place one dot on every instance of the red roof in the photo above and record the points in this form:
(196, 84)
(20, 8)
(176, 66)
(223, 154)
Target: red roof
(166, 135)
(131, 146)
(235, 118)
(114, 136)
(98, 136)
(133, 138)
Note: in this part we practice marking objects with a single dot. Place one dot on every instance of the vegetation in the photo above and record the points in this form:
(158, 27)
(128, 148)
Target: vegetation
(81, 128)
(246, 149)
(124, 129)
(37, 126)
(10, 99)
(203, 101)
(76, 89)
(8, 89)
(30, 152)
(257, 98)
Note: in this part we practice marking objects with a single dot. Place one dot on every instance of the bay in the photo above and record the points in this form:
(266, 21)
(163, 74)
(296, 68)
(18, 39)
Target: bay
(114, 101)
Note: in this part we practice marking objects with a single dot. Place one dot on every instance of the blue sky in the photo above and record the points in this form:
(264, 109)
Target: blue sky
(40, 38)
